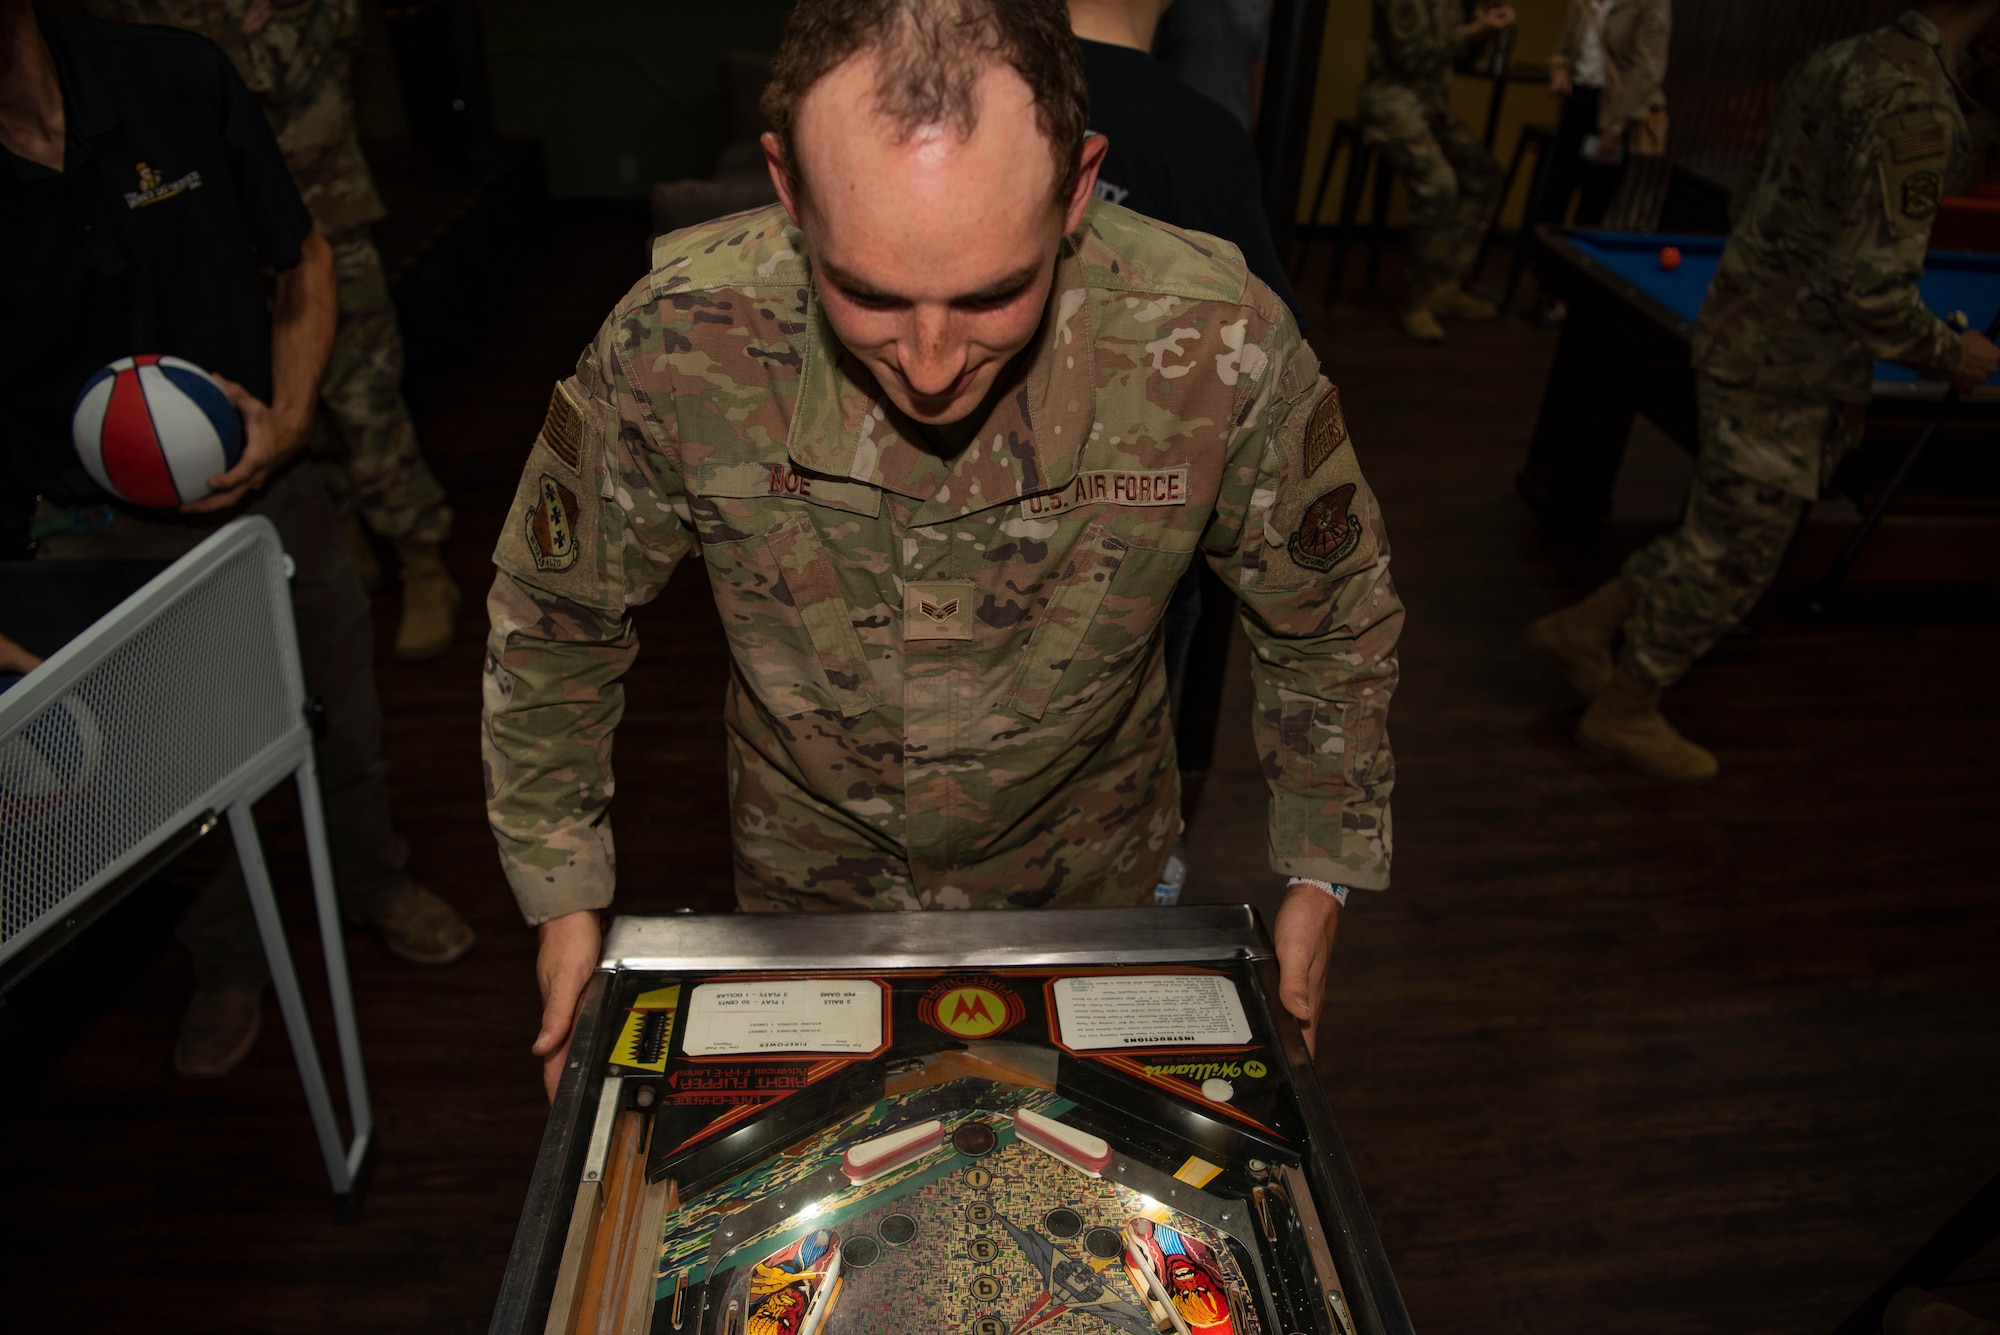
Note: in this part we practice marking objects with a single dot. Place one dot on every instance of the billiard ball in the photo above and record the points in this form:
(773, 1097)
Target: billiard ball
(1670, 258)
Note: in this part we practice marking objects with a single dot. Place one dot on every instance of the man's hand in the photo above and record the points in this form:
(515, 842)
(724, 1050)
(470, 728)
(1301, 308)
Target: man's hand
(1610, 148)
(1487, 21)
(1981, 360)
(255, 17)
(304, 310)
(1559, 83)
(267, 444)
(13, 658)
(1307, 921)
(569, 949)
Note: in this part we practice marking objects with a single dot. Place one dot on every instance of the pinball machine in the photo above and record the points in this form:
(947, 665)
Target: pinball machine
(1068, 1122)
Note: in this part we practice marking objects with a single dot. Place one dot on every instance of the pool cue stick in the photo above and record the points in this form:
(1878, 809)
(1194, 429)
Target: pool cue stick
(1829, 585)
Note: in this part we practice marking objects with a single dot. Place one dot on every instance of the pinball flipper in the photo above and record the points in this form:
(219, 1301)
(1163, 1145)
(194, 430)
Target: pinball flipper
(885, 1154)
(1079, 1149)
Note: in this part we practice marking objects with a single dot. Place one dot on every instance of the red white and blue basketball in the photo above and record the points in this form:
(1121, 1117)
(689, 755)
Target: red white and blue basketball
(153, 430)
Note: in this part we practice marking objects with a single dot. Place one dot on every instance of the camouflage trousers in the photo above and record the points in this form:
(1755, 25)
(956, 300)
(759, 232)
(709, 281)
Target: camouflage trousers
(1454, 182)
(337, 652)
(362, 438)
(1762, 462)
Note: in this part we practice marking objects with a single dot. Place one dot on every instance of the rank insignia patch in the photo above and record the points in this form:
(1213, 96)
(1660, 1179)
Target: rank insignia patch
(562, 429)
(1326, 431)
(937, 609)
(551, 525)
(1921, 192)
(1327, 531)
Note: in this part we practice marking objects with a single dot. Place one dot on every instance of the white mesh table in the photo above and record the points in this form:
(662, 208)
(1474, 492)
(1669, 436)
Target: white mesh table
(184, 704)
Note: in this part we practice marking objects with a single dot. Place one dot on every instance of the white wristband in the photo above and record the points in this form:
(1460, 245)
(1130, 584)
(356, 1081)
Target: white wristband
(1338, 891)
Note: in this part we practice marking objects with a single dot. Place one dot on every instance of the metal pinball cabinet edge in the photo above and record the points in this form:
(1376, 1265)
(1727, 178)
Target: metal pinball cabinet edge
(1085, 1121)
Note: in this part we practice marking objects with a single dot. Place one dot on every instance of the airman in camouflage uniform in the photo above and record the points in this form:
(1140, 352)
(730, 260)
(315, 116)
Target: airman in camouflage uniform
(948, 687)
(1454, 182)
(297, 56)
(1818, 281)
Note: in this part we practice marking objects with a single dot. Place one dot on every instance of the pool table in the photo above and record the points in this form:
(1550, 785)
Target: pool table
(1624, 351)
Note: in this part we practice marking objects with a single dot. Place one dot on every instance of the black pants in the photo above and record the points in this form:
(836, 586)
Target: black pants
(337, 651)
(1568, 172)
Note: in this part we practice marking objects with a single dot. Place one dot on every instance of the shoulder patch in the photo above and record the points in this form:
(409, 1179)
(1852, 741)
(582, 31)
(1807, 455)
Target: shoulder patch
(1921, 192)
(1926, 140)
(562, 428)
(1327, 530)
(1326, 431)
(551, 520)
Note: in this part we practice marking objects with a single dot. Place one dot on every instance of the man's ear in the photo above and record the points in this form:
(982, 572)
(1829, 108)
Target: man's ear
(774, 160)
(1090, 160)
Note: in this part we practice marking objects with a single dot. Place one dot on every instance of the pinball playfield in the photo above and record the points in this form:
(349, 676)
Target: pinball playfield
(1075, 1123)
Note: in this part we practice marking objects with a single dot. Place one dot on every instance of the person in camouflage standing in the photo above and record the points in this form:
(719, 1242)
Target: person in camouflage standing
(297, 56)
(1818, 281)
(945, 434)
(1454, 182)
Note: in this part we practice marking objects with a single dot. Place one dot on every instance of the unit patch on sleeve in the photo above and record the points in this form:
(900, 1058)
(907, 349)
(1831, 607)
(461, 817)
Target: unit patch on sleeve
(1921, 193)
(551, 523)
(1328, 530)
(1326, 431)
(562, 429)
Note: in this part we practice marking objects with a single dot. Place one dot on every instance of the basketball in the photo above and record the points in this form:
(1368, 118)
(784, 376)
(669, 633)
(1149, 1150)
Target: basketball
(152, 430)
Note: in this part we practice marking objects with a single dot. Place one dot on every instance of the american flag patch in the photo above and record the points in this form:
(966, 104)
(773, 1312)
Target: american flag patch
(1912, 145)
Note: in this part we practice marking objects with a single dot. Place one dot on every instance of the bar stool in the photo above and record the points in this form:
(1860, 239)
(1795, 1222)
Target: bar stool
(1360, 155)
(1541, 140)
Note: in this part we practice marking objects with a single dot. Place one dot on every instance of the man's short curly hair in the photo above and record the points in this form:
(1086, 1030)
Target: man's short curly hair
(931, 54)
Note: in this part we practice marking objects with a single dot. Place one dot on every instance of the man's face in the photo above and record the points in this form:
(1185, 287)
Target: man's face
(933, 256)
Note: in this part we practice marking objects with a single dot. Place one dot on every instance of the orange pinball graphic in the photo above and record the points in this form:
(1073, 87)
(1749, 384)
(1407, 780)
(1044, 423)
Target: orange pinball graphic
(793, 1290)
(1180, 1274)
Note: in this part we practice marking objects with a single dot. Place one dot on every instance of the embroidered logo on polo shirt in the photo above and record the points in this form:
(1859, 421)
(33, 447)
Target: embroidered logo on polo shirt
(152, 189)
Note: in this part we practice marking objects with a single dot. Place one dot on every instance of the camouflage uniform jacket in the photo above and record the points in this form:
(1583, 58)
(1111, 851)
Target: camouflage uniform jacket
(1819, 278)
(1414, 43)
(948, 686)
(300, 66)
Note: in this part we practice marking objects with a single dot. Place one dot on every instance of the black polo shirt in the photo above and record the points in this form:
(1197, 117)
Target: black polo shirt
(1179, 156)
(154, 237)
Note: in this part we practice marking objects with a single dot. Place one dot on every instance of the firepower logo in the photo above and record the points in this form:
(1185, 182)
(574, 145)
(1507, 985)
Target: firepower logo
(971, 1008)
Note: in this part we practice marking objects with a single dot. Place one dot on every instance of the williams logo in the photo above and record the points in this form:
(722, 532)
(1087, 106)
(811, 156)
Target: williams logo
(152, 189)
(971, 1008)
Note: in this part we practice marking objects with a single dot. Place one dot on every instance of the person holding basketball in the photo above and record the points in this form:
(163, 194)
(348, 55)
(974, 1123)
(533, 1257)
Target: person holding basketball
(140, 192)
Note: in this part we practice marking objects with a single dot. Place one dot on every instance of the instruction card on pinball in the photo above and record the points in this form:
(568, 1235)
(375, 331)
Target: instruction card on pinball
(1069, 1122)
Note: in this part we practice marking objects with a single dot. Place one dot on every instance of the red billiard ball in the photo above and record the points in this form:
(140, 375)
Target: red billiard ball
(1670, 258)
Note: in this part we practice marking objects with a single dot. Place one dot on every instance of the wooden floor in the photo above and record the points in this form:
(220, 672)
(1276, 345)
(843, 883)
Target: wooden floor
(1610, 1056)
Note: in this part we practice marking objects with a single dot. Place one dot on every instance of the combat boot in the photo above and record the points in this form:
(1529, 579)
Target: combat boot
(430, 603)
(218, 1030)
(1581, 638)
(1624, 724)
(1915, 1312)
(1421, 325)
(423, 929)
(1452, 300)
(361, 553)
